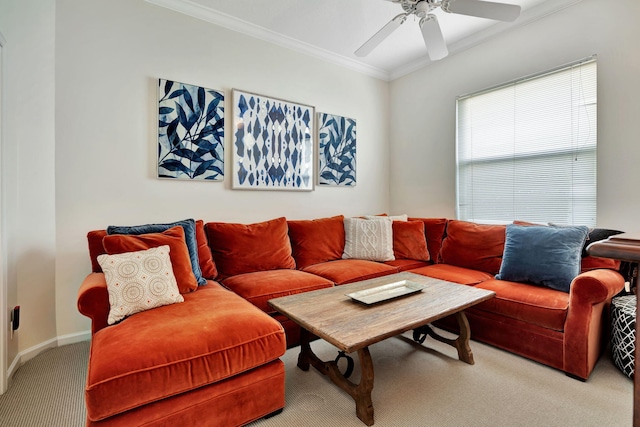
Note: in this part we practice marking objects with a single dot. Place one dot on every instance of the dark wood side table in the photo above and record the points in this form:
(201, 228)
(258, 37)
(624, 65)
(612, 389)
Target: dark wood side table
(624, 247)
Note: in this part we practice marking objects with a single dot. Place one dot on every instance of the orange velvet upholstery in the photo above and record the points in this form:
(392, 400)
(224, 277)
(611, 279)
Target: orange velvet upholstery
(409, 241)
(475, 246)
(178, 252)
(93, 301)
(131, 365)
(591, 294)
(530, 303)
(515, 336)
(451, 273)
(96, 248)
(261, 286)
(245, 248)
(235, 401)
(317, 240)
(592, 263)
(208, 267)
(407, 264)
(350, 270)
(434, 229)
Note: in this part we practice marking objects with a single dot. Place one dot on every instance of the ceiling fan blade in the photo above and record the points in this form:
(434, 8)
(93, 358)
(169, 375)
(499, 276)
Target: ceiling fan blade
(382, 34)
(482, 9)
(432, 34)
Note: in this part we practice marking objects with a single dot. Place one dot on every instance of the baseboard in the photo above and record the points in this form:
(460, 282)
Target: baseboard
(32, 352)
(74, 338)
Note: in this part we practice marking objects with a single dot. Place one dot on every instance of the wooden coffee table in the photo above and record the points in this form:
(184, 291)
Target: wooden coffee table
(353, 326)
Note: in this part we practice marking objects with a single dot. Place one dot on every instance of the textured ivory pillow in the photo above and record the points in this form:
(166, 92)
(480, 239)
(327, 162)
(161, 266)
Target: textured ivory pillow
(370, 239)
(403, 217)
(139, 281)
(174, 237)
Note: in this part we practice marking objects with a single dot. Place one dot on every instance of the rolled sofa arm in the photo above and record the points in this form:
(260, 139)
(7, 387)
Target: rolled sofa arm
(93, 300)
(590, 295)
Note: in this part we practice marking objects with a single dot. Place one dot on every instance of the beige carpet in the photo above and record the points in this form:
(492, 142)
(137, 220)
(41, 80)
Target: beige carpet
(417, 386)
(414, 386)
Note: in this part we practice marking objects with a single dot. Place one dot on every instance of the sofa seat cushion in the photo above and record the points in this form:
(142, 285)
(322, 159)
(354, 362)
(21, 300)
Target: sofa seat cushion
(452, 273)
(213, 335)
(261, 286)
(350, 270)
(533, 304)
(407, 264)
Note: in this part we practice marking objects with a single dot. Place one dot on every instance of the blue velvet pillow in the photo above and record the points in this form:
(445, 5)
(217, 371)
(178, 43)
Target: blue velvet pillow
(547, 256)
(189, 227)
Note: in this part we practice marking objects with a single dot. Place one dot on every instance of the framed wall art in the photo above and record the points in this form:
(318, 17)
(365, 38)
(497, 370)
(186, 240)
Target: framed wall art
(190, 132)
(273, 143)
(336, 150)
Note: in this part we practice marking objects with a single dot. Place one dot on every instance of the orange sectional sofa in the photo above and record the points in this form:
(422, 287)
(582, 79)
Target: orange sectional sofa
(214, 358)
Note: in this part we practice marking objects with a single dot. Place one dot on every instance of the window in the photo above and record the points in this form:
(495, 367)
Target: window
(526, 150)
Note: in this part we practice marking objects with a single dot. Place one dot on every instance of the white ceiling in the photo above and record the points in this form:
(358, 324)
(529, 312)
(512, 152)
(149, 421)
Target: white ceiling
(334, 29)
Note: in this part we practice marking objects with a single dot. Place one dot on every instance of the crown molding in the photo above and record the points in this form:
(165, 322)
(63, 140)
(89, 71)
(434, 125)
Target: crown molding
(198, 11)
(195, 10)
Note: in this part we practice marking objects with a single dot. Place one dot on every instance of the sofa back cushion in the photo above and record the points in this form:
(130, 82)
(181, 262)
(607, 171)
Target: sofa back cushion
(245, 248)
(434, 231)
(474, 246)
(317, 240)
(207, 265)
(178, 252)
(409, 240)
(189, 227)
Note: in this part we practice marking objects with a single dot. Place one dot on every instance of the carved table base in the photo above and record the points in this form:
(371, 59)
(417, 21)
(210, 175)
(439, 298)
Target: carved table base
(461, 343)
(361, 392)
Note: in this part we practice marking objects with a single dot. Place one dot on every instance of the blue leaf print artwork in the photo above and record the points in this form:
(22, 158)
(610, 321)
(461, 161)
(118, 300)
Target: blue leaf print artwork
(190, 132)
(337, 150)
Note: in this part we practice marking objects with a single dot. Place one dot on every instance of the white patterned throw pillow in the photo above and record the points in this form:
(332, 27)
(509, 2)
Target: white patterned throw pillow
(139, 281)
(403, 217)
(370, 239)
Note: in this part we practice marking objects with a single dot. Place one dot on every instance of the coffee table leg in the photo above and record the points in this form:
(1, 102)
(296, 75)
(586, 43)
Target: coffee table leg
(305, 350)
(361, 392)
(461, 343)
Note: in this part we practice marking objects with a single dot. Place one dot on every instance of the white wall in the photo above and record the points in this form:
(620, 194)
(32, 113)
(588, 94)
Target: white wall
(109, 55)
(422, 141)
(28, 168)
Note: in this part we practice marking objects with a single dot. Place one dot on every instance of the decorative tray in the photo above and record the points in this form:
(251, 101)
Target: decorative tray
(386, 292)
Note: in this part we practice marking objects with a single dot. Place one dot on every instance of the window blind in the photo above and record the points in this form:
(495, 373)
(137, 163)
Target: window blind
(526, 150)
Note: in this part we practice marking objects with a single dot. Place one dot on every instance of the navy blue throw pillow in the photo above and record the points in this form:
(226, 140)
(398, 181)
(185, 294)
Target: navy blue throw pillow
(547, 256)
(189, 227)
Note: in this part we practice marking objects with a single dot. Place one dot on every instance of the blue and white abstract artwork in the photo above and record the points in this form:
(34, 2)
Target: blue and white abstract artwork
(273, 143)
(337, 150)
(190, 132)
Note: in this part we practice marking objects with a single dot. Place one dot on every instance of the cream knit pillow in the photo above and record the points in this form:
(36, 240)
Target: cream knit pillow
(139, 281)
(370, 239)
(403, 217)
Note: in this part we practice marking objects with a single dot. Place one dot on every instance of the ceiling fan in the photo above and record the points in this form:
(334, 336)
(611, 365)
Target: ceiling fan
(429, 26)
